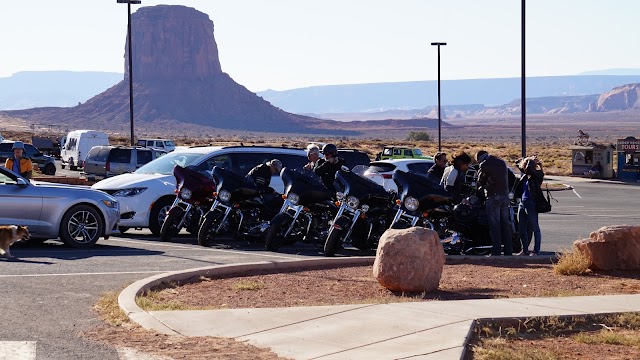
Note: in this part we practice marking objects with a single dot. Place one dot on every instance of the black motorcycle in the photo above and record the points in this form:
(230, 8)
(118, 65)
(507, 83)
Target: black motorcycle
(194, 195)
(238, 209)
(420, 201)
(308, 207)
(364, 212)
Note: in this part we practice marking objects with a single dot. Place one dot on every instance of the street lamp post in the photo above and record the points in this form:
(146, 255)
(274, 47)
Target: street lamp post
(129, 2)
(523, 89)
(438, 44)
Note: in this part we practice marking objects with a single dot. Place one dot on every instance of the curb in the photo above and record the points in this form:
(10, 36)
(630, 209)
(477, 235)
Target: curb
(127, 298)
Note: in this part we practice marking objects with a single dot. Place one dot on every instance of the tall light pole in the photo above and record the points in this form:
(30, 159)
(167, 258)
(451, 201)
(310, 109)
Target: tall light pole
(129, 2)
(523, 89)
(438, 44)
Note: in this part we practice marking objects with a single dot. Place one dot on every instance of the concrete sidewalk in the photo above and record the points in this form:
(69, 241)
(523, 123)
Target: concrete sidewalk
(416, 330)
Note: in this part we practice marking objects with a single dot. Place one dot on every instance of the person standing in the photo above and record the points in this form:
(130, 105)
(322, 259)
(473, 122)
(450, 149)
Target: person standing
(18, 163)
(328, 167)
(453, 178)
(526, 188)
(437, 170)
(493, 178)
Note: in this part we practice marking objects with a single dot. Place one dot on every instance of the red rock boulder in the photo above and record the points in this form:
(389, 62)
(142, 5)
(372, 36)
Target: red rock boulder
(409, 260)
(615, 247)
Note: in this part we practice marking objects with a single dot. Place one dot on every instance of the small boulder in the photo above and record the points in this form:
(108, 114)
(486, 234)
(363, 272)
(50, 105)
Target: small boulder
(615, 247)
(409, 260)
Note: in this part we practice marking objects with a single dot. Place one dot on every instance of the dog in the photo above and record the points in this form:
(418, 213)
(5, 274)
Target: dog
(9, 235)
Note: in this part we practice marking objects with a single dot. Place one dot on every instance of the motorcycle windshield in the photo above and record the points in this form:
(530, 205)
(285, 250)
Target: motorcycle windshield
(309, 189)
(351, 183)
(428, 193)
(201, 186)
(239, 187)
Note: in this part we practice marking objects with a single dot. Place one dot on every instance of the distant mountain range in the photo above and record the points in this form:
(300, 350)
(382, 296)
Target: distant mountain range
(30, 89)
(484, 96)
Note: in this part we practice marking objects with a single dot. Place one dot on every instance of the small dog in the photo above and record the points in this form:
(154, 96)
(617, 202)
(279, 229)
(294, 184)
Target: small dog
(9, 235)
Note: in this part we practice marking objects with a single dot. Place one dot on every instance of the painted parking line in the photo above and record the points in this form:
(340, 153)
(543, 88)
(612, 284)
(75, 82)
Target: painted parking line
(87, 273)
(17, 350)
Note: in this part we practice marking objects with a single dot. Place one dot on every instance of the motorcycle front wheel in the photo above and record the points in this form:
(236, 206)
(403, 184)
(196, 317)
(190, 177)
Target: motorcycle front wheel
(333, 239)
(275, 236)
(169, 227)
(207, 233)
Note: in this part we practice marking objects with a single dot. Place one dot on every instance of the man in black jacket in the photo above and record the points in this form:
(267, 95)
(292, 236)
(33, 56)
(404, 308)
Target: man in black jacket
(328, 167)
(437, 170)
(261, 174)
(493, 178)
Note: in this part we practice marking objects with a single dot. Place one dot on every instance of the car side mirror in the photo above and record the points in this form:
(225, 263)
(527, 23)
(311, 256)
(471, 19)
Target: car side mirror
(21, 182)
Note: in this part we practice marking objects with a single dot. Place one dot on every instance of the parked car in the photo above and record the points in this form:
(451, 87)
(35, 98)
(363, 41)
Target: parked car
(146, 195)
(354, 157)
(159, 144)
(386, 168)
(399, 152)
(79, 216)
(77, 145)
(110, 160)
(45, 163)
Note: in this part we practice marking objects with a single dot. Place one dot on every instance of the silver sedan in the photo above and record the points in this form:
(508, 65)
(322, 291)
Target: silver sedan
(77, 215)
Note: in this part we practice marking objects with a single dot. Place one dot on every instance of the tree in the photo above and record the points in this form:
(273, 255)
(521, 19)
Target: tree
(419, 136)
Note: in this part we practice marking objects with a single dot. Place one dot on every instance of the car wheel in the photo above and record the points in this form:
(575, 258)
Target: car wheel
(158, 214)
(50, 169)
(81, 227)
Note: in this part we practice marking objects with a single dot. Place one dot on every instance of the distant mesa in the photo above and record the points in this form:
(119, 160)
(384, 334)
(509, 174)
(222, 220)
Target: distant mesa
(619, 98)
(177, 77)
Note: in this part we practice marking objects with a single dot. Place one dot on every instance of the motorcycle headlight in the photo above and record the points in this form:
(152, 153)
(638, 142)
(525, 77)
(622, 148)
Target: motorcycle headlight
(411, 203)
(353, 202)
(293, 198)
(340, 196)
(129, 192)
(185, 193)
(510, 196)
(365, 208)
(224, 195)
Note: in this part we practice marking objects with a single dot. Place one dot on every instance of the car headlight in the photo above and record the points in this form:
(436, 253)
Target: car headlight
(411, 203)
(224, 195)
(185, 193)
(111, 204)
(340, 196)
(353, 202)
(293, 198)
(129, 192)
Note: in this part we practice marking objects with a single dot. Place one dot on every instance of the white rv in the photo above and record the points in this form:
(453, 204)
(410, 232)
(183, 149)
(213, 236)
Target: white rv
(77, 146)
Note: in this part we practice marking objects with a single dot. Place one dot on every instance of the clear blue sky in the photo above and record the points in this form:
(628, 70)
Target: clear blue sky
(284, 44)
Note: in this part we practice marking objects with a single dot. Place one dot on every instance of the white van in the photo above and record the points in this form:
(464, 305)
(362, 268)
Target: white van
(158, 144)
(77, 145)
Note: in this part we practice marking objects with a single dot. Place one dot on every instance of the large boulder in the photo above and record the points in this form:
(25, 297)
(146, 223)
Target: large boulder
(409, 260)
(615, 247)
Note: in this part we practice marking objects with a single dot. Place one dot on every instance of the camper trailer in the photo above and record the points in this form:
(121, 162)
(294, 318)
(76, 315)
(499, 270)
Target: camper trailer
(77, 146)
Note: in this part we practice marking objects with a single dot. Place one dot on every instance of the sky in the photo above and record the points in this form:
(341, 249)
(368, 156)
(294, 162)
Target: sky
(285, 44)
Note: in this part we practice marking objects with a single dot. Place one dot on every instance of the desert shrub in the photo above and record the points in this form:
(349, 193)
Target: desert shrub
(419, 136)
(571, 263)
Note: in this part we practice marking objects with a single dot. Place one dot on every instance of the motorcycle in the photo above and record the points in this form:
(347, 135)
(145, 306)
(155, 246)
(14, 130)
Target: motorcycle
(419, 201)
(305, 213)
(238, 208)
(193, 197)
(363, 213)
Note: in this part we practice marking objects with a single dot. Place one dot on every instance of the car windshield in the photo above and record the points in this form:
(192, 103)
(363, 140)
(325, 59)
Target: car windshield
(164, 164)
(169, 143)
(417, 152)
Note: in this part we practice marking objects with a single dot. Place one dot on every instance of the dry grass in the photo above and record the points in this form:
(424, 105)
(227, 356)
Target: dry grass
(501, 349)
(571, 263)
(248, 285)
(151, 300)
(625, 338)
(109, 310)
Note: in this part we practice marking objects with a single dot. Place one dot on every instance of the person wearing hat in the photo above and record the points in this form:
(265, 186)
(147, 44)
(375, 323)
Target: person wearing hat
(261, 174)
(313, 154)
(328, 167)
(18, 163)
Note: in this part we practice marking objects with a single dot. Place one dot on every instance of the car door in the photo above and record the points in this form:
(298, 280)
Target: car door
(20, 205)
(143, 156)
(119, 161)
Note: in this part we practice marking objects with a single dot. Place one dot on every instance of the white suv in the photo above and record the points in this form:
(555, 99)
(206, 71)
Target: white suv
(386, 168)
(147, 194)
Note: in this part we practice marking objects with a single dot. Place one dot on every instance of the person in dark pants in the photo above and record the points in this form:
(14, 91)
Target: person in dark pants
(437, 170)
(493, 178)
(328, 167)
(526, 189)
